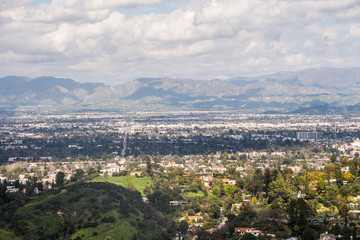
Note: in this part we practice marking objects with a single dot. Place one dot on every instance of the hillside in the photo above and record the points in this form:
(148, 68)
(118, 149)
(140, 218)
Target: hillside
(282, 92)
(137, 183)
(85, 211)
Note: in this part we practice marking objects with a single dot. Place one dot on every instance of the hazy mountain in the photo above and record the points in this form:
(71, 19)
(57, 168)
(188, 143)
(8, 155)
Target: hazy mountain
(283, 91)
(25, 91)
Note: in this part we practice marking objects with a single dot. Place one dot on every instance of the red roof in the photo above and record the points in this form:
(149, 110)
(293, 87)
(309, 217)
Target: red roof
(243, 229)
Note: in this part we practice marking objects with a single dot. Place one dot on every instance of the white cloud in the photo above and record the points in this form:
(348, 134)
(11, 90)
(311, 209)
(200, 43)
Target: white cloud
(92, 40)
(98, 4)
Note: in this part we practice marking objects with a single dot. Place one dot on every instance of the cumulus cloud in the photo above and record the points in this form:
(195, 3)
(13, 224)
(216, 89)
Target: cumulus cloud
(102, 40)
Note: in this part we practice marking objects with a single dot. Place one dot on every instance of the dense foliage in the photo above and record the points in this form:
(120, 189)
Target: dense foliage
(85, 210)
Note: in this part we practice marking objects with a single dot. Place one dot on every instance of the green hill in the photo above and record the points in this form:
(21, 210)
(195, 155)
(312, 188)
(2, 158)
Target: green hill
(126, 181)
(96, 210)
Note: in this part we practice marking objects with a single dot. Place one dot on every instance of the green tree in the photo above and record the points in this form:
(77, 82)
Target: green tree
(333, 158)
(339, 176)
(227, 203)
(255, 181)
(30, 186)
(345, 162)
(183, 226)
(280, 192)
(248, 236)
(309, 234)
(40, 186)
(344, 209)
(354, 170)
(148, 165)
(287, 173)
(320, 185)
(299, 211)
(230, 190)
(79, 174)
(60, 177)
(216, 190)
(3, 188)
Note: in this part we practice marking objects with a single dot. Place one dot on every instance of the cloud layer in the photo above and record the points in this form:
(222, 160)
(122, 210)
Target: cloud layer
(119, 40)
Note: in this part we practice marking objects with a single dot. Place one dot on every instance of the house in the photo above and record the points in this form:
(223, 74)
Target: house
(317, 219)
(176, 203)
(253, 231)
(353, 205)
(340, 223)
(11, 189)
(3, 179)
(327, 236)
(173, 203)
(110, 168)
(230, 182)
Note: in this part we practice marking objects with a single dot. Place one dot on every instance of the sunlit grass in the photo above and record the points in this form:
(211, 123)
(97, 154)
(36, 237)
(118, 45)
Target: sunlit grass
(138, 183)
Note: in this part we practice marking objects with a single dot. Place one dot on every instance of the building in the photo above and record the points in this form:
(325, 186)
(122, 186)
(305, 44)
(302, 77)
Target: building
(110, 169)
(307, 136)
(252, 231)
(327, 236)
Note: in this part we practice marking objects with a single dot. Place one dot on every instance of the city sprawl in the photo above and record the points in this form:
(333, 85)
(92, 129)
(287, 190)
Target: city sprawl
(217, 175)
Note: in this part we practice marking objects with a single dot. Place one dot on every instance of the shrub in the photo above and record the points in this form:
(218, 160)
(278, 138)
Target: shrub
(90, 224)
(109, 219)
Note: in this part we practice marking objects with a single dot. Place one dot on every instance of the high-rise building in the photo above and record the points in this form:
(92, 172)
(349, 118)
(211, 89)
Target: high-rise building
(307, 136)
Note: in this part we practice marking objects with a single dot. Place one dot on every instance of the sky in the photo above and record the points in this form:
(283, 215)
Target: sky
(115, 41)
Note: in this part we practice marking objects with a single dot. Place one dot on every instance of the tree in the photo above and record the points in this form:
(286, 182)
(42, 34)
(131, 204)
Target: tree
(255, 183)
(40, 186)
(349, 177)
(345, 162)
(280, 192)
(344, 209)
(230, 189)
(60, 176)
(254, 200)
(31, 184)
(216, 190)
(183, 226)
(339, 176)
(320, 185)
(333, 158)
(287, 173)
(79, 174)
(148, 165)
(191, 212)
(227, 203)
(214, 210)
(354, 167)
(299, 211)
(248, 236)
(222, 189)
(3, 188)
(308, 234)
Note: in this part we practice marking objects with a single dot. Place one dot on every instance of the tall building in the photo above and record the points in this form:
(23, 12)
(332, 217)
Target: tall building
(307, 136)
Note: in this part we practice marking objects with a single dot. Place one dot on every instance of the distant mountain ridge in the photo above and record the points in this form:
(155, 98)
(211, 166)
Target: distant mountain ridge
(25, 91)
(280, 92)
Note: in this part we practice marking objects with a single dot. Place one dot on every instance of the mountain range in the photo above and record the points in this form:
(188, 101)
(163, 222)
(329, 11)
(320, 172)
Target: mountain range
(317, 90)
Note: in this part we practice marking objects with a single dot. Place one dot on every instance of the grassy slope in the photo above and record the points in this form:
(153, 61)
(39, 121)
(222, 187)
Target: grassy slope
(192, 194)
(5, 235)
(70, 211)
(139, 183)
(122, 228)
